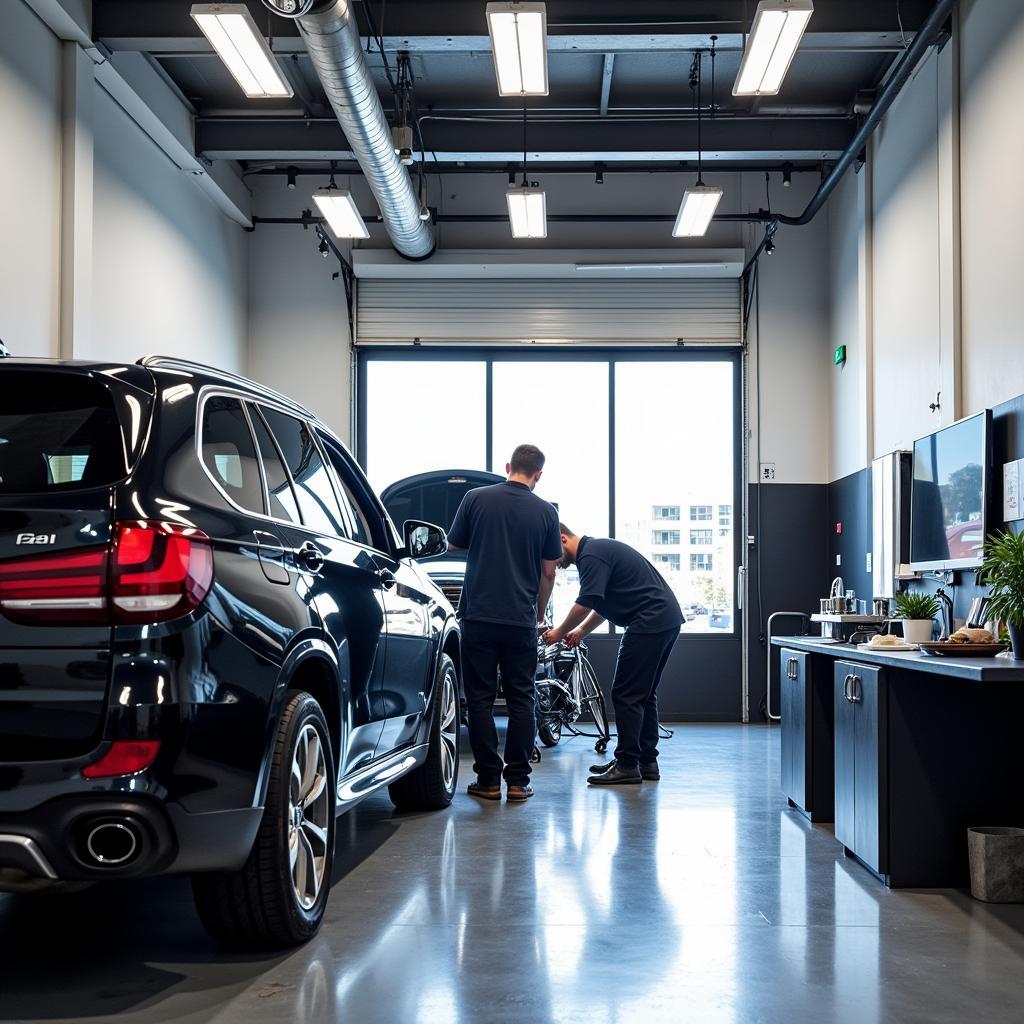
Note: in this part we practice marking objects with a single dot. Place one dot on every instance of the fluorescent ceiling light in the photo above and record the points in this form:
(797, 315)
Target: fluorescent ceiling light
(519, 41)
(647, 266)
(527, 212)
(340, 212)
(696, 210)
(774, 37)
(245, 53)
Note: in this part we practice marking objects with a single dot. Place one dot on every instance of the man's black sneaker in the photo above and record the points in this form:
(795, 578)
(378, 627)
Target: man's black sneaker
(648, 772)
(617, 776)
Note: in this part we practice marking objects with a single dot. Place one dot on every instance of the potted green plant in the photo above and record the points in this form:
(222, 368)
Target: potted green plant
(1003, 573)
(917, 612)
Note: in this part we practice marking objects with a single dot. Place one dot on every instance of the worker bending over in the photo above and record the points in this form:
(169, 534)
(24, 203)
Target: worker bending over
(618, 584)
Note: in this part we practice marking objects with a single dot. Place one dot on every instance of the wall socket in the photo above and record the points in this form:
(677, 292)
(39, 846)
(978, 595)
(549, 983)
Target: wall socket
(767, 471)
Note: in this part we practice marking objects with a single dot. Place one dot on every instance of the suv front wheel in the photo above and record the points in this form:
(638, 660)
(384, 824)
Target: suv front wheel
(432, 786)
(278, 897)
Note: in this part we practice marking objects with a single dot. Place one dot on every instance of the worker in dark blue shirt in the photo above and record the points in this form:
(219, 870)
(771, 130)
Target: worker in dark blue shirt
(618, 584)
(513, 546)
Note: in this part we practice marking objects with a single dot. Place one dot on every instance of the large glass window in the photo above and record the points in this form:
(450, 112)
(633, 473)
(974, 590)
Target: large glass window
(562, 407)
(640, 447)
(424, 415)
(674, 443)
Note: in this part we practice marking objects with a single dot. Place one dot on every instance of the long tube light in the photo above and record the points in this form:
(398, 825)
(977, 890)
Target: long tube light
(774, 37)
(696, 210)
(233, 34)
(519, 41)
(527, 212)
(340, 211)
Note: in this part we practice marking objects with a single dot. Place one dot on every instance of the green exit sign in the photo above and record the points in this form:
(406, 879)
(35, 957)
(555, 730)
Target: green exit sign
(840, 355)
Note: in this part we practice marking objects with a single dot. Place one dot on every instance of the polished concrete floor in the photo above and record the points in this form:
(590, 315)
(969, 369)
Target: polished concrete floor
(700, 898)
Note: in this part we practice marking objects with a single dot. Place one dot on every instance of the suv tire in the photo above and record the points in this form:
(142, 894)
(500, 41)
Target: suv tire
(432, 786)
(277, 899)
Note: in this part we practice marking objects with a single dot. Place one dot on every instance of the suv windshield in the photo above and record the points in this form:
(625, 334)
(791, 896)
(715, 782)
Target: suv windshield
(57, 432)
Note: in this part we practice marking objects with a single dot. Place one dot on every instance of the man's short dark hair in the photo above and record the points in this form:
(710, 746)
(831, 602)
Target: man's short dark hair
(562, 528)
(526, 460)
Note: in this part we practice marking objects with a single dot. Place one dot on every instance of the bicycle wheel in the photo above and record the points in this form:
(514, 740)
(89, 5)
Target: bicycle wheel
(594, 698)
(550, 732)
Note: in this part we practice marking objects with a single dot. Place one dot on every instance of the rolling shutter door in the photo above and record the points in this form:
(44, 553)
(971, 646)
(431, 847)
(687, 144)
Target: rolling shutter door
(692, 310)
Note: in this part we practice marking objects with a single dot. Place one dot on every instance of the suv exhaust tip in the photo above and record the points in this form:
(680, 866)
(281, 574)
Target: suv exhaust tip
(112, 843)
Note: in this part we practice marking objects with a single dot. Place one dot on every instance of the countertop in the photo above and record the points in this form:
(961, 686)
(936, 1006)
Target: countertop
(980, 670)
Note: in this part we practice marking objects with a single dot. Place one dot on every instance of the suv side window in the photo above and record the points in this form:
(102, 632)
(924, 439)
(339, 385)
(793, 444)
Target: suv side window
(363, 531)
(317, 502)
(229, 453)
(279, 488)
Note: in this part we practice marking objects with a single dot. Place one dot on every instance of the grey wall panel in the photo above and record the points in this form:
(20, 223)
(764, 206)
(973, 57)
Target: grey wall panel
(705, 310)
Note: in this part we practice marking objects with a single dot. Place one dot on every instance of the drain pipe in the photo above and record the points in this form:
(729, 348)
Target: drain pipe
(928, 33)
(329, 31)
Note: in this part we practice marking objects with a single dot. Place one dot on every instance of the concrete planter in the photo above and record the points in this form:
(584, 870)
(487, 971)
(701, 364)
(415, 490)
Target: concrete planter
(917, 631)
(997, 864)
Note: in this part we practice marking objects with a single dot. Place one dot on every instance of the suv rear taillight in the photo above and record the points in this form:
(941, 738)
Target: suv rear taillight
(151, 572)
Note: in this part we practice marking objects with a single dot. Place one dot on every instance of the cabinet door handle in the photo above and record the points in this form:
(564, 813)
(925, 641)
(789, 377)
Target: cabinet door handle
(854, 698)
(846, 688)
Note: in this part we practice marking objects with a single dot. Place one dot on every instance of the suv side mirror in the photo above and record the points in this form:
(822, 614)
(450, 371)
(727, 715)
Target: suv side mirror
(424, 540)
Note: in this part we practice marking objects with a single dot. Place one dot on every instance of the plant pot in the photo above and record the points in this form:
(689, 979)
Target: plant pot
(917, 631)
(1016, 639)
(997, 864)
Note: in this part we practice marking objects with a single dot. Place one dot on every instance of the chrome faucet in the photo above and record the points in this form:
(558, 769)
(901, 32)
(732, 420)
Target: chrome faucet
(947, 612)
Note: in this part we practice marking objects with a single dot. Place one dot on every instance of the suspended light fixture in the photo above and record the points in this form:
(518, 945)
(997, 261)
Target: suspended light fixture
(245, 53)
(527, 204)
(339, 209)
(699, 202)
(519, 41)
(775, 35)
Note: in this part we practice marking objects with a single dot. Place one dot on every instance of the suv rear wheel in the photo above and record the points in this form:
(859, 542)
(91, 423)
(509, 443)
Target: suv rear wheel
(278, 897)
(432, 786)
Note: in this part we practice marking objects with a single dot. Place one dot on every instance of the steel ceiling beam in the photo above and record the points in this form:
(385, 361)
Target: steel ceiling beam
(599, 26)
(599, 141)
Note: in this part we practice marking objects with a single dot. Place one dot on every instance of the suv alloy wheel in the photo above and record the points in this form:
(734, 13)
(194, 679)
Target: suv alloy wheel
(278, 897)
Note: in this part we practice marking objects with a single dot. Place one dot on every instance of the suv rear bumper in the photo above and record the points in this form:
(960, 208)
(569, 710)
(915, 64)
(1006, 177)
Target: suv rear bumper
(89, 839)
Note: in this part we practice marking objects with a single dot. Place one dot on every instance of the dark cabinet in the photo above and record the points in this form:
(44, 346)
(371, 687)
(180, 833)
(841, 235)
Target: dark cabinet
(805, 688)
(796, 739)
(861, 763)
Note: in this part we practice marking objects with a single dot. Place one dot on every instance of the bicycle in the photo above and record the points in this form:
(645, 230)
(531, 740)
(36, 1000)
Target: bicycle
(568, 687)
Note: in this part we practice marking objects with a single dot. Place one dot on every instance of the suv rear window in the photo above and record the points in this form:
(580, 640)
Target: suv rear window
(58, 432)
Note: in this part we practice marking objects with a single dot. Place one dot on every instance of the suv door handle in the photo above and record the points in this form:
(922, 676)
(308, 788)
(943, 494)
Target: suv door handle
(310, 558)
(387, 579)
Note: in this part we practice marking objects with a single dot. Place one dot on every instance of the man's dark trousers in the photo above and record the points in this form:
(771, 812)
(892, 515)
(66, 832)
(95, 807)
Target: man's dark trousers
(638, 670)
(486, 646)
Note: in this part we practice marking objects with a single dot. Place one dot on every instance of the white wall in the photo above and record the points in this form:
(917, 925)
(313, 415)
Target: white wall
(299, 339)
(292, 297)
(905, 265)
(169, 270)
(992, 155)
(29, 183)
(940, 286)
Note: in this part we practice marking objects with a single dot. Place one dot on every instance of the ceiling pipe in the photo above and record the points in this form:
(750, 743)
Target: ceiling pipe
(926, 36)
(329, 31)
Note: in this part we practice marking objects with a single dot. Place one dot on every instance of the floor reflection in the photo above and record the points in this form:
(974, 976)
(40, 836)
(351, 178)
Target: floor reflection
(702, 898)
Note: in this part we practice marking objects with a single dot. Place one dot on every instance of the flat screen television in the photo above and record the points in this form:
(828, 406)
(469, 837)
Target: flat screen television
(949, 495)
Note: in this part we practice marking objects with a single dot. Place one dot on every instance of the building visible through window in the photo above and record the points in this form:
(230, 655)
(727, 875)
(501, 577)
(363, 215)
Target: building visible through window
(665, 537)
(666, 513)
(700, 513)
(672, 562)
(702, 538)
(700, 563)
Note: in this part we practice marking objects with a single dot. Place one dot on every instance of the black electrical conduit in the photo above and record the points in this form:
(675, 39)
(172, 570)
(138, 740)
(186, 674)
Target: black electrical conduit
(926, 35)
(558, 218)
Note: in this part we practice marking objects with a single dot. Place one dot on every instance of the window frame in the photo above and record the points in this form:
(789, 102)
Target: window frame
(610, 354)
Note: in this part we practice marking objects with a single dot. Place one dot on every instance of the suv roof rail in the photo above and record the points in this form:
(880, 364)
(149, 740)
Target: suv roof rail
(175, 363)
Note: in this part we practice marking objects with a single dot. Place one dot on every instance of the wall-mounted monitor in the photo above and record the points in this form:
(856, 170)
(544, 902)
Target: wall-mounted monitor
(949, 495)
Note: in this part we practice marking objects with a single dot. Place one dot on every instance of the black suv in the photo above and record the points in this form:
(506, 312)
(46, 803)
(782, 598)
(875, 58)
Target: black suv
(212, 641)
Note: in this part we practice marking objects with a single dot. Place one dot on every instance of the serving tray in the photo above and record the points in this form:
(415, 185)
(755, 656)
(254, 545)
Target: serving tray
(944, 649)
